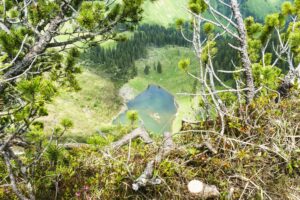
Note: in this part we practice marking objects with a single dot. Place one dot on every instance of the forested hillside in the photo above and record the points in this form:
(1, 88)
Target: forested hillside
(119, 60)
(149, 99)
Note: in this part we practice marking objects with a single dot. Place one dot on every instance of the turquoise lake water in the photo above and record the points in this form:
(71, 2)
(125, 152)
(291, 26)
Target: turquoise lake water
(156, 108)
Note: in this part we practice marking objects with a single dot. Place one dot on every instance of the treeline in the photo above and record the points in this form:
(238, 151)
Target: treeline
(118, 61)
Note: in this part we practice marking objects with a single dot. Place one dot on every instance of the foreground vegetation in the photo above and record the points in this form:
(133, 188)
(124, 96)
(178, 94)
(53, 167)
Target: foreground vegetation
(242, 164)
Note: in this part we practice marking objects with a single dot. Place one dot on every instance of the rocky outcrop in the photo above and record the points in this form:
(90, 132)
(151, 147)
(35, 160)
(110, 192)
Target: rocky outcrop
(126, 93)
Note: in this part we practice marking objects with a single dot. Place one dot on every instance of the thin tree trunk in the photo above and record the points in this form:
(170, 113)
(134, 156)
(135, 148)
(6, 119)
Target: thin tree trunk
(244, 50)
(139, 132)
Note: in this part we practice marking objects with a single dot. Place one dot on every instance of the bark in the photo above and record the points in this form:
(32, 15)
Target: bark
(136, 133)
(147, 176)
(44, 42)
(71, 41)
(74, 145)
(206, 144)
(23, 171)
(139, 132)
(4, 27)
(38, 48)
(244, 50)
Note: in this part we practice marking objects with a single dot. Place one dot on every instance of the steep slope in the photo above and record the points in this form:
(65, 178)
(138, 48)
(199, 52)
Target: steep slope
(164, 12)
(94, 105)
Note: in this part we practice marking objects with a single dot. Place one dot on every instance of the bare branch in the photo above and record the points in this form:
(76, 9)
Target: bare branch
(244, 47)
(12, 178)
(139, 132)
(147, 176)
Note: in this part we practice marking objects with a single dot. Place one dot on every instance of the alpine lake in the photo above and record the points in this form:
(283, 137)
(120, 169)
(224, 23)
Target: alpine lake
(156, 109)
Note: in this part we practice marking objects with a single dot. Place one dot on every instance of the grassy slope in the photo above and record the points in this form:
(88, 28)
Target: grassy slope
(94, 105)
(172, 79)
(164, 12)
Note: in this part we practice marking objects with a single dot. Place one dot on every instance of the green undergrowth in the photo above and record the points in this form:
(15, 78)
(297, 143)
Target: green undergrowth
(255, 162)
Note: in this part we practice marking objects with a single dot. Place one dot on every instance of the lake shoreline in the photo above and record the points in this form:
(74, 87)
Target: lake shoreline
(156, 106)
(126, 93)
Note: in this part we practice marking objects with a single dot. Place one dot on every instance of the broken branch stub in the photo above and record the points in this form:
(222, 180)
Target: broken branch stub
(204, 191)
(147, 176)
(138, 132)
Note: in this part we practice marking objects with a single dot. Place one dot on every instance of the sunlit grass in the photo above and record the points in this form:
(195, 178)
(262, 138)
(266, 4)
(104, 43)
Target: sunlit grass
(94, 105)
(165, 12)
